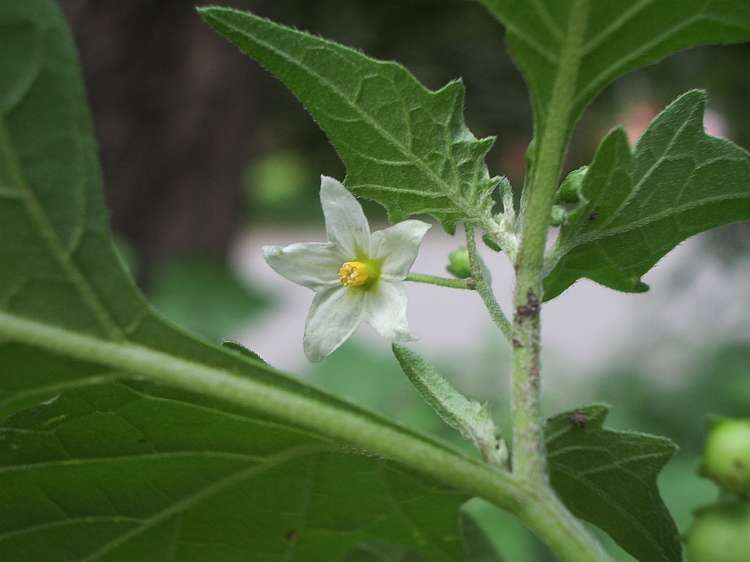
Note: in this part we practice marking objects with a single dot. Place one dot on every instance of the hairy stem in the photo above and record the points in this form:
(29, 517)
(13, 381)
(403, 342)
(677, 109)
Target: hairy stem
(535, 507)
(529, 460)
(529, 456)
(483, 287)
(468, 284)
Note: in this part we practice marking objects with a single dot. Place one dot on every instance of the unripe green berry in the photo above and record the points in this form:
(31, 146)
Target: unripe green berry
(459, 264)
(720, 533)
(726, 457)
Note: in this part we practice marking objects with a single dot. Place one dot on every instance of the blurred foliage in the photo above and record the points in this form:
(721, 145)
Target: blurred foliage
(275, 185)
(205, 297)
(719, 383)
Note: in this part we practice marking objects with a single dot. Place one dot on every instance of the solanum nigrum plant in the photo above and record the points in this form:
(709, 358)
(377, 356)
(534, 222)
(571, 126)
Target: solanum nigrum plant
(124, 438)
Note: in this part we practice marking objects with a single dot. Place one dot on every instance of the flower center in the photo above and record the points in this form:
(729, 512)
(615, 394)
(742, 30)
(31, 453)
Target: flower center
(354, 274)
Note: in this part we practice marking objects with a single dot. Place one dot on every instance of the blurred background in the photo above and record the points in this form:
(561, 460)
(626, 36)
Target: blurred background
(206, 158)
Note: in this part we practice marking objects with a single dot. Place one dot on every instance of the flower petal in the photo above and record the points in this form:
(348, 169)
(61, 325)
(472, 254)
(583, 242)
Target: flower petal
(334, 315)
(314, 265)
(346, 223)
(386, 311)
(397, 246)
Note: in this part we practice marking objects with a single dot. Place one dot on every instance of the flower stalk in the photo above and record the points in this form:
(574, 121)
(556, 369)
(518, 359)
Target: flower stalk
(483, 287)
(467, 284)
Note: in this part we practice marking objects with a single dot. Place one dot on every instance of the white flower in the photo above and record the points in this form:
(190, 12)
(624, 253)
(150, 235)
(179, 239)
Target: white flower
(356, 276)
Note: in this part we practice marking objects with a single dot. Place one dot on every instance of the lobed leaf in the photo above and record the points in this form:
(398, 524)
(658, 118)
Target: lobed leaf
(608, 478)
(403, 145)
(636, 206)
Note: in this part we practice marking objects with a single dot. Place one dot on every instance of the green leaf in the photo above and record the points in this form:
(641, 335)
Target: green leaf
(241, 349)
(111, 468)
(470, 418)
(613, 38)
(403, 145)
(477, 545)
(638, 206)
(382, 553)
(204, 296)
(132, 471)
(608, 478)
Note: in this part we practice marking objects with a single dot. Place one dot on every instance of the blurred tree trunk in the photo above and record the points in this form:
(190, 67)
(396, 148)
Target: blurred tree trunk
(174, 117)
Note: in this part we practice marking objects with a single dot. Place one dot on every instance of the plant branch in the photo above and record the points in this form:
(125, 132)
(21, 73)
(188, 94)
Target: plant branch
(467, 284)
(483, 287)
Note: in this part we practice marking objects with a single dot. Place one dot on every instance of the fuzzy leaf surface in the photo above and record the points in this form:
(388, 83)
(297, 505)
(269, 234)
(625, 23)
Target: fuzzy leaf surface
(403, 145)
(133, 471)
(618, 37)
(608, 478)
(638, 205)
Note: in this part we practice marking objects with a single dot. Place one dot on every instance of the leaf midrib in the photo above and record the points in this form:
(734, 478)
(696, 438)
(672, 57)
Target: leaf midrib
(135, 458)
(583, 239)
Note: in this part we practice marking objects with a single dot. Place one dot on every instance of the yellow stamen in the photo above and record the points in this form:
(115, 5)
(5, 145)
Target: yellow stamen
(354, 274)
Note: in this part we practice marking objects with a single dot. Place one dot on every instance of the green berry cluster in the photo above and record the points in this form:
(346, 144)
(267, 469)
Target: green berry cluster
(721, 532)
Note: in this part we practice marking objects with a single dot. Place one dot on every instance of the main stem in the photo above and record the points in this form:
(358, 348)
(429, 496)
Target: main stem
(529, 456)
(529, 459)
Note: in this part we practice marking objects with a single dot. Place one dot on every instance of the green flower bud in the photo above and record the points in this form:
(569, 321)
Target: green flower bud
(490, 243)
(570, 190)
(726, 457)
(458, 263)
(557, 216)
(720, 533)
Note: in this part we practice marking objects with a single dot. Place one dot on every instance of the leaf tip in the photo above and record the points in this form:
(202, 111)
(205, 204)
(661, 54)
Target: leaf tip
(208, 10)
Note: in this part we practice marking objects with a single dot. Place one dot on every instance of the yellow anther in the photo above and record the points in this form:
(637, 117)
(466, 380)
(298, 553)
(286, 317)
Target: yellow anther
(354, 274)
